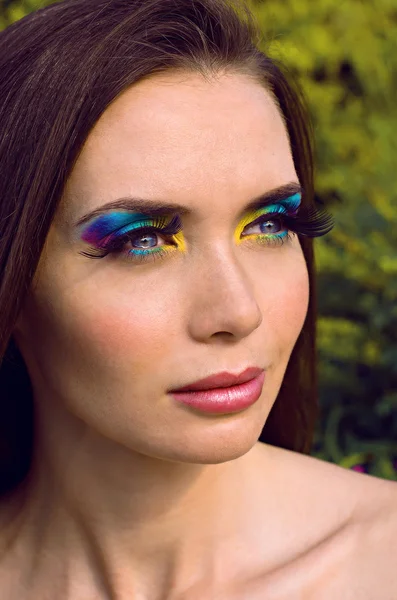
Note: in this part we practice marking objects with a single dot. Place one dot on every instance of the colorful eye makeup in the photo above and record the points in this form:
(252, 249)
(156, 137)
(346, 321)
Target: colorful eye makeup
(271, 213)
(109, 233)
(136, 236)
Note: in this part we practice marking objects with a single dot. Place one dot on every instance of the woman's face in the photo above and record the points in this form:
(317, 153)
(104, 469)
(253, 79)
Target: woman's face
(104, 339)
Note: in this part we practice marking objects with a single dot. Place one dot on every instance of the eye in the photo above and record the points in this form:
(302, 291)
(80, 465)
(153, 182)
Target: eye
(138, 240)
(148, 240)
(268, 224)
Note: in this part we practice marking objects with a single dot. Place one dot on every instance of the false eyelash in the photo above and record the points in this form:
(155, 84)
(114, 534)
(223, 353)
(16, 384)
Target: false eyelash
(310, 222)
(157, 225)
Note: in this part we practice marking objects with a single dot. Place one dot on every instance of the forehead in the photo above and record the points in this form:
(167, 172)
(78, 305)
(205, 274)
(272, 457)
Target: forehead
(180, 135)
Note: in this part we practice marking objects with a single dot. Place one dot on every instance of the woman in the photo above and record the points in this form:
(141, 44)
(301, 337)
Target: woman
(157, 220)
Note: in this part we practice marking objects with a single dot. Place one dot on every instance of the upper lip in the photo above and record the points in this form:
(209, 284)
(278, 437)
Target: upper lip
(221, 380)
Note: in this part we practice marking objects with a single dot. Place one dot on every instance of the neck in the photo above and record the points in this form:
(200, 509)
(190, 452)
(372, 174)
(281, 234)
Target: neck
(122, 523)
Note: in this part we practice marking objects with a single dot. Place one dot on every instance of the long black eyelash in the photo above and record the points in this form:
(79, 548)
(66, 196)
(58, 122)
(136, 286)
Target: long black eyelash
(310, 222)
(159, 226)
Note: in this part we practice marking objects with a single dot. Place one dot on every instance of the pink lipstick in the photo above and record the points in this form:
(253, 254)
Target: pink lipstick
(223, 393)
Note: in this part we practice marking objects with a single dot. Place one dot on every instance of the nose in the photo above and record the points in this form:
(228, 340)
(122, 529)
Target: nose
(222, 298)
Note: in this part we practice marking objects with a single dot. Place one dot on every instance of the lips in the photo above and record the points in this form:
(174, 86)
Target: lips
(221, 380)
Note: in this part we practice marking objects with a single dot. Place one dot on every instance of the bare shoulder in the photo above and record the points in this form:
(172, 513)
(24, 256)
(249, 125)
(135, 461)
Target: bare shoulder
(348, 544)
(373, 557)
(347, 495)
(361, 563)
(364, 497)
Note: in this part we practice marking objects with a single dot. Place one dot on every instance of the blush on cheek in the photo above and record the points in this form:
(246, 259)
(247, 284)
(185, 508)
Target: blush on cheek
(107, 335)
(118, 337)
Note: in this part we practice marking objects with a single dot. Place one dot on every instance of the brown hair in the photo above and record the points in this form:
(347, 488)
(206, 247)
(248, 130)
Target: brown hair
(60, 68)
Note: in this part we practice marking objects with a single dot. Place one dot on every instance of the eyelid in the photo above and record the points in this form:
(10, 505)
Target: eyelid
(289, 207)
(124, 215)
(265, 217)
(108, 228)
(131, 227)
(162, 228)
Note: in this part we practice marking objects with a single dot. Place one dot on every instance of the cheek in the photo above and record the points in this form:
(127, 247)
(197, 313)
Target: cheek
(130, 334)
(296, 300)
(85, 343)
(121, 334)
(287, 304)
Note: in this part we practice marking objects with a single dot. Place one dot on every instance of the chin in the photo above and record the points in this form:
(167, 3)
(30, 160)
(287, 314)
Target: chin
(227, 439)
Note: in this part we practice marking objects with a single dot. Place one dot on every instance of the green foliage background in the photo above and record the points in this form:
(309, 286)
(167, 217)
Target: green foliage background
(344, 54)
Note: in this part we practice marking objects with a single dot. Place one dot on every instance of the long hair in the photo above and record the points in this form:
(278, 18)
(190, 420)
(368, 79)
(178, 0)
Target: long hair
(60, 68)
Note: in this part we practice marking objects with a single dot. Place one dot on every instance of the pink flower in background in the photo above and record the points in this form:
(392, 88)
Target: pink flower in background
(359, 468)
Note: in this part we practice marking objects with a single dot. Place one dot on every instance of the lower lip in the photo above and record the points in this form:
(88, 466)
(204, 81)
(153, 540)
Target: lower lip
(223, 400)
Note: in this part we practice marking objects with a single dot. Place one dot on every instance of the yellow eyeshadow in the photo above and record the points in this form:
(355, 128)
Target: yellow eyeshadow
(247, 220)
(180, 240)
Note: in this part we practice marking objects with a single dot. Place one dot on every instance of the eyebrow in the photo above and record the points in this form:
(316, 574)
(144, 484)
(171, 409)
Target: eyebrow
(154, 208)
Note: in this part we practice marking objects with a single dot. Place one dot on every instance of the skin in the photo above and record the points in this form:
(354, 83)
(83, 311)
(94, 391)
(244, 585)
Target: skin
(130, 491)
